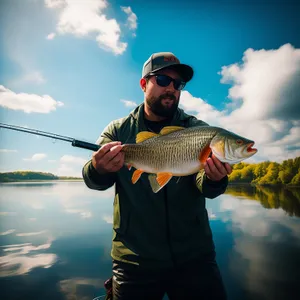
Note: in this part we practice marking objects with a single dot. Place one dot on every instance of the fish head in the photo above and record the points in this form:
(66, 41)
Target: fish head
(231, 148)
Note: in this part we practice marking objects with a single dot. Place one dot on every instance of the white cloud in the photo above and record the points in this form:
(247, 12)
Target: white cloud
(30, 233)
(83, 213)
(29, 76)
(8, 151)
(200, 108)
(86, 18)
(65, 170)
(108, 219)
(55, 3)
(34, 77)
(13, 265)
(51, 36)
(8, 213)
(73, 160)
(70, 166)
(264, 103)
(132, 18)
(8, 232)
(27, 102)
(267, 82)
(36, 157)
(19, 262)
(129, 103)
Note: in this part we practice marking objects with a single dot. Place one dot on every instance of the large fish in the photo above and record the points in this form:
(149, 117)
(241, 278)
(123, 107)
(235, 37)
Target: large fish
(179, 151)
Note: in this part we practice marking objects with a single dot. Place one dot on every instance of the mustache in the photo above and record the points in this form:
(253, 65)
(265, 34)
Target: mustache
(167, 95)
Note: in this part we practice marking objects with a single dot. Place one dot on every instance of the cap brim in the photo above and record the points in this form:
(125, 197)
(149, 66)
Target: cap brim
(185, 72)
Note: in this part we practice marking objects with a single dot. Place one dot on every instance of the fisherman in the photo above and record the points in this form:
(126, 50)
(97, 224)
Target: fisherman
(162, 242)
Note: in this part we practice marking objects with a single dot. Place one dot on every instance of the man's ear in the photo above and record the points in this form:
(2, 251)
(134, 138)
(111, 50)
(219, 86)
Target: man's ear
(143, 84)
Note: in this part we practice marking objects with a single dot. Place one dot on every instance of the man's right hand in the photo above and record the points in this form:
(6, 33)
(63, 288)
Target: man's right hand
(108, 158)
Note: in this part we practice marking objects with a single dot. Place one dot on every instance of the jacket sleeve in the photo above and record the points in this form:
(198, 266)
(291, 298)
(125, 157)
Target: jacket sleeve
(210, 189)
(91, 177)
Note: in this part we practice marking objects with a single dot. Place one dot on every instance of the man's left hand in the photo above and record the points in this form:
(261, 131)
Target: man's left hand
(216, 170)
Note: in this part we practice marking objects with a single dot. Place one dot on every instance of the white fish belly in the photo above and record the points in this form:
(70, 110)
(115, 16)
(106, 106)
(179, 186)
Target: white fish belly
(183, 169)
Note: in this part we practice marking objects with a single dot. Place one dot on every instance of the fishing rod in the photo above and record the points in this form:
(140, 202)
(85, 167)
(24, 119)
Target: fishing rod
(74, 142)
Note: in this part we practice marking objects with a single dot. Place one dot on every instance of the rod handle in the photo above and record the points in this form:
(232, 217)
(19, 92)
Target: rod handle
(85, 145)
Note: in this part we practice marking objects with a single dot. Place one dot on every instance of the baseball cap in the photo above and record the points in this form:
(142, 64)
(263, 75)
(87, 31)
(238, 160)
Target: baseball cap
(162, 60)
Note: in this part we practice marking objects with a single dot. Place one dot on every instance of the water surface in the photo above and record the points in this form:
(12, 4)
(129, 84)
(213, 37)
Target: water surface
(56, 237)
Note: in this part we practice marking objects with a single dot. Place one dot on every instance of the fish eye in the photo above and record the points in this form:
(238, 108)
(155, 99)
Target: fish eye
(239, 142)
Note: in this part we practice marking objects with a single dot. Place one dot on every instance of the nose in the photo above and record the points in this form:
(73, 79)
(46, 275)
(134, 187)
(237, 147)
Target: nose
(170, 87)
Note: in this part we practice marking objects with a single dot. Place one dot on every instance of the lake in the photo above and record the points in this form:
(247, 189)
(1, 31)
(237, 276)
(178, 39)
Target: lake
(56, 238)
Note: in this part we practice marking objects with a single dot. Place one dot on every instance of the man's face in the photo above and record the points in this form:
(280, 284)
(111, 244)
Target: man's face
(163, 101)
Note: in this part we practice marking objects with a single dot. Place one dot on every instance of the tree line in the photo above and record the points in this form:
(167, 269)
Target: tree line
(267, 173)
(270, 197)
(30, 175)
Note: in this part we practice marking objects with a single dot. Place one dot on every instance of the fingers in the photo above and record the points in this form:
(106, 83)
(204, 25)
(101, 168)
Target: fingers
(105, 148)
(228, 168)
(216, 166)
(108, 158)
(215, 169)
(116, 163)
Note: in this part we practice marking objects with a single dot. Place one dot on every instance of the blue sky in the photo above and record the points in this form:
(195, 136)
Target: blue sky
(68, 65)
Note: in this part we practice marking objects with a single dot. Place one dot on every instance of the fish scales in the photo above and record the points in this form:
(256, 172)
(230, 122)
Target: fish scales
(169, 152)
(179, 151)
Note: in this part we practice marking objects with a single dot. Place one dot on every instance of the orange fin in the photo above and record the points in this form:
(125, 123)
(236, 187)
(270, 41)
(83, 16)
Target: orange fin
(136, 175)
(204, 154)
(169, 129)
(163, 178)
(144, 135)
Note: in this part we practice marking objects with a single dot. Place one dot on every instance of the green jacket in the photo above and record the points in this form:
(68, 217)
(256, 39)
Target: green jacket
(162, 229)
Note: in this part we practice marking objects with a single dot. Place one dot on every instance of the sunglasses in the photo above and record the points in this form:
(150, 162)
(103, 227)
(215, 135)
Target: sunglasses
(165, 80)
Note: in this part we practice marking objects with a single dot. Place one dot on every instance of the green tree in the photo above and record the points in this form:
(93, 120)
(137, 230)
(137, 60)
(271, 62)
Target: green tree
(296, 179)
(271, 176)
(285, 176)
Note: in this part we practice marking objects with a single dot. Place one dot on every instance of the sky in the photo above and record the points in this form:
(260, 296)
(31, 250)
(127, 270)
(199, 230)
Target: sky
(72, 66)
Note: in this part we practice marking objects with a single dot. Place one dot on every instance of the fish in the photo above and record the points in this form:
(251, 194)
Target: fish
(181, 151)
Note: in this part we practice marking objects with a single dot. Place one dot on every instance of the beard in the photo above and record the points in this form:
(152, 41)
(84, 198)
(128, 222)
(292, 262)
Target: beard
(156, 106)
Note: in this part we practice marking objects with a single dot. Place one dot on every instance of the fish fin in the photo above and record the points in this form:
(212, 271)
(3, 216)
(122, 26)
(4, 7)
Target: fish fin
(169, 129)
(144, 135)
(136, 175)
(163, 178)
(203, 156)
(153, 183)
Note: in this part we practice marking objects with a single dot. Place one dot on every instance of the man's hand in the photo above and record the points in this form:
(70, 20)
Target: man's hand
(108, 158)
(216, 170)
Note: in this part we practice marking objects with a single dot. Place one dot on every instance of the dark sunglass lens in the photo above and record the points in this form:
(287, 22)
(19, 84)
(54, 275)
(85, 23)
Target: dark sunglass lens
(179, 85)
(163, 80)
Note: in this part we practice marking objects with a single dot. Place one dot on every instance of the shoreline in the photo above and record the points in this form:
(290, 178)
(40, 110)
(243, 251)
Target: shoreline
(41, 180)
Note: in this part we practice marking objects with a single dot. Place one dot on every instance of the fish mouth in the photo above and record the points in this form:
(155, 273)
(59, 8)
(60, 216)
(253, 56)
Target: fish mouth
(250, 148)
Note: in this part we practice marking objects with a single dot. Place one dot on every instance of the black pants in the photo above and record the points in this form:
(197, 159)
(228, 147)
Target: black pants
(199, 279)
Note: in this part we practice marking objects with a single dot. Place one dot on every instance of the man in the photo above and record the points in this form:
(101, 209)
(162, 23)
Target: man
(162, 242)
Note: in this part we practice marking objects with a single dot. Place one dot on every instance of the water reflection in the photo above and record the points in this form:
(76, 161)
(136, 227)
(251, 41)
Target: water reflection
(287, 198)
(55, 241)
